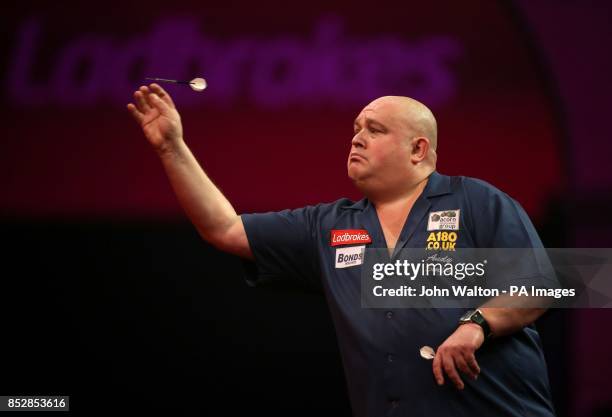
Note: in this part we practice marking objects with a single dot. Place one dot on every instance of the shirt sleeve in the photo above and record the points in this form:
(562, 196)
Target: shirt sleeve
(284, 247)
(500, 222)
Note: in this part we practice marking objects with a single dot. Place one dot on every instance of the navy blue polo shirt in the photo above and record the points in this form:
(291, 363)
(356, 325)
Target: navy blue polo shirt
(380, 347)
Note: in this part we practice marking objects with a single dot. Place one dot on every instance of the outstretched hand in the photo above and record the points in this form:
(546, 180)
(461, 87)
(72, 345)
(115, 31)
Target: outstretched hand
(156, 114)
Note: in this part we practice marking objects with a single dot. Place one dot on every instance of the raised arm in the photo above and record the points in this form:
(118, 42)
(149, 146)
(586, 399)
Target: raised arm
(205, 205)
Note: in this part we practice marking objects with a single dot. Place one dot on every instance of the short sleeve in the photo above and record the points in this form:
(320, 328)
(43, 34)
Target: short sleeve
(499, 220)
(284, 246)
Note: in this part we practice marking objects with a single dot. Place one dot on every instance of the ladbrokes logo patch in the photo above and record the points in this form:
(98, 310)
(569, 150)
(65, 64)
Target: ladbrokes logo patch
(443, 220)
(349, 237)
(442, 241)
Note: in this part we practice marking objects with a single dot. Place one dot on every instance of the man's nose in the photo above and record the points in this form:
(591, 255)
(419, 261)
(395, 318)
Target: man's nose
(358, 141)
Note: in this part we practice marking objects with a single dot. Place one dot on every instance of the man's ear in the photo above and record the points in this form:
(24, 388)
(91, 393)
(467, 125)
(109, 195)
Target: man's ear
(420, 148)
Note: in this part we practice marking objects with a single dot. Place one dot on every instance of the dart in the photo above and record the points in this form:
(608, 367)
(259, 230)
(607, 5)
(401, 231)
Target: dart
(197, 84)
(427, 352)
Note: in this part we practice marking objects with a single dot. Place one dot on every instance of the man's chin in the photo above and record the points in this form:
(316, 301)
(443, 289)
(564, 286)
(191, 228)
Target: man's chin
(358, 176)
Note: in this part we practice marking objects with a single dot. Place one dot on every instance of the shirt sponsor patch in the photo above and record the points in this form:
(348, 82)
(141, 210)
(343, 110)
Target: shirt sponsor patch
(349, 237)
(443, 220)
(350, 256)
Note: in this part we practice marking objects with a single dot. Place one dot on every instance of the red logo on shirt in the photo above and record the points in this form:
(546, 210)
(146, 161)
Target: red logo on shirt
(349, 237)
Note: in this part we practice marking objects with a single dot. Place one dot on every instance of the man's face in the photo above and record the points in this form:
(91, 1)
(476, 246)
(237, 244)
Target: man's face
(381, 146)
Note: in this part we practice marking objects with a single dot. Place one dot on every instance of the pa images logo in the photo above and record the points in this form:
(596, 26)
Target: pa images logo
(443, 220)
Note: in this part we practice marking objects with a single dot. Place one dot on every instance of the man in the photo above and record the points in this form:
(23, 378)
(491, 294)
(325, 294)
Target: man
(392, 161)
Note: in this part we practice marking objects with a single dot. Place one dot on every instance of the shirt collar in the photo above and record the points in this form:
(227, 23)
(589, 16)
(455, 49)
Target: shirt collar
(437, 185)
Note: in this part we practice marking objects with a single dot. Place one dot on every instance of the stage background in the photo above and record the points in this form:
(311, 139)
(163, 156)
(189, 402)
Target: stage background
(108, 293)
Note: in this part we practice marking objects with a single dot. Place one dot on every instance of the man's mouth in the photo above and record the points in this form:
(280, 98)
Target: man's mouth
(356, 157)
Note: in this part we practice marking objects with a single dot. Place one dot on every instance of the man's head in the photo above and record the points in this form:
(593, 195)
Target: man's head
(394, 145)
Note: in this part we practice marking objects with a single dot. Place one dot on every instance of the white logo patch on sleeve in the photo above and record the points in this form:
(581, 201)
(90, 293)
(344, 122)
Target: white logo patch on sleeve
(349, 256)
(443, 220)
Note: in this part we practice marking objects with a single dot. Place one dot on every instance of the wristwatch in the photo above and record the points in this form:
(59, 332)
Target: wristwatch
(475, 316)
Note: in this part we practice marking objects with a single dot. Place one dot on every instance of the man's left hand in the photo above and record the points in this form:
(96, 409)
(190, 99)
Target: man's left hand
(457, 353)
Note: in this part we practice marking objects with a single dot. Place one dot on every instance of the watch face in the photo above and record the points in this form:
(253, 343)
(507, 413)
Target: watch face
(477, 318)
